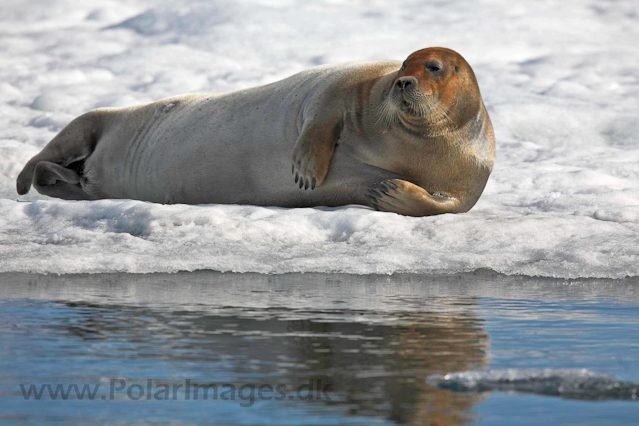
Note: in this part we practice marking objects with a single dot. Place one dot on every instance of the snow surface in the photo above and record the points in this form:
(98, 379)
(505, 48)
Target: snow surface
(560, 80)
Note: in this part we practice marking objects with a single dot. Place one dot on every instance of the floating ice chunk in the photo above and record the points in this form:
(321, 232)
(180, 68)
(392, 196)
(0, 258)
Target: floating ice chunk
(568, 383)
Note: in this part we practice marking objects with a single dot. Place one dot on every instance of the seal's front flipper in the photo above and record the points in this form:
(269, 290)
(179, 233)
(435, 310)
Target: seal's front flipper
(314, 149)
(406, 198)
(53, 180)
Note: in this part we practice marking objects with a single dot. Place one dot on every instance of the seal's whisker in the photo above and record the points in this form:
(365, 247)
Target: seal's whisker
(387, 114)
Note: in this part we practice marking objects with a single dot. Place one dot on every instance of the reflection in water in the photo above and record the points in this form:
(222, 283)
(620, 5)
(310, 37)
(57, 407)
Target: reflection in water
(375, 360)
(372, 368)
(373, 339)
(380, 369)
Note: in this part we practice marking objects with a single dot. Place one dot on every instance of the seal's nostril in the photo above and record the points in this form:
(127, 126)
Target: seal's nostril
(403, 83)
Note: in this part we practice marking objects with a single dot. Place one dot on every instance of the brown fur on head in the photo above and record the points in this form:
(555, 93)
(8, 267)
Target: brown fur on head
(435, 87)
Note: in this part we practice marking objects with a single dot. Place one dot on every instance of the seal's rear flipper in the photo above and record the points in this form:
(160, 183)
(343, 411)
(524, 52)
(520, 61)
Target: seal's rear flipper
(54, 180)
(23, 183)
(72, 145)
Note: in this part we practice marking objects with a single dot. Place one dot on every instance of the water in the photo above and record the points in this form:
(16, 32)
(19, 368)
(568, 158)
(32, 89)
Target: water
(371, 348)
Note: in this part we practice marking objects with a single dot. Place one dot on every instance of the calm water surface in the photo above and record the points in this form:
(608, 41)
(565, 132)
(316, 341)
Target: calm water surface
(305, 349)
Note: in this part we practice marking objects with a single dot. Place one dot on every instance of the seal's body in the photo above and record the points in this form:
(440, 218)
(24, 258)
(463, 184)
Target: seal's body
(357, 132)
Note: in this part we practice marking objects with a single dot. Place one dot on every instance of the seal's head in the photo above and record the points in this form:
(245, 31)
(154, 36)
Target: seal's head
(435, 88)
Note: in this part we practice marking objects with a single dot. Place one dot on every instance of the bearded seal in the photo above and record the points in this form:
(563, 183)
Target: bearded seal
(412, 138)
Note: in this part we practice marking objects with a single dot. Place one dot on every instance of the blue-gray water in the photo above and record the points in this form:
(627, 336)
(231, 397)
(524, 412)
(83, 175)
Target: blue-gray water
(372, 343)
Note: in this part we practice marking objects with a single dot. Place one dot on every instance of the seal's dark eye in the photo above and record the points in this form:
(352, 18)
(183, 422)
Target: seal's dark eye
(456, 69)
(433, 68)
(403, 66)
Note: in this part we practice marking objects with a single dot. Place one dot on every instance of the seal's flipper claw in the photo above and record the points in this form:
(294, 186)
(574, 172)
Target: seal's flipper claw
(373, 201)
